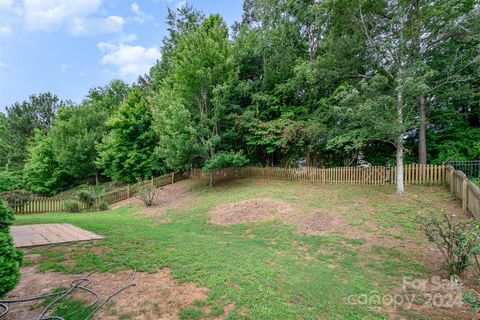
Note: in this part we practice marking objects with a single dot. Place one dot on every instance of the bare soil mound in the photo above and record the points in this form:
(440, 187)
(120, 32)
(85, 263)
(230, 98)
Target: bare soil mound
(155, 295)
(251, 210)
(261, 209)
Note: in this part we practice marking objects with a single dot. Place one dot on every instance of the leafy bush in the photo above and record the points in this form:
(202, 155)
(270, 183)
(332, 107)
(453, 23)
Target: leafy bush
(103, 205)
(86, 197)
(10, 257)
(146, 193)
(476, 181)
(459, 241)
(10, 181)
(225, 160)
(71, 206)
(16, 197)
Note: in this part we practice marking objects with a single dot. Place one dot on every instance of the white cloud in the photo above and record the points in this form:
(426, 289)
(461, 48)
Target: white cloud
(75, 16)
(92, 26)
(129, 60)
(4, 67)
(6, 4)
(65, 67)
(128, 38)
(5, 31)
(46, 15)
(181, 4)
(140, 16)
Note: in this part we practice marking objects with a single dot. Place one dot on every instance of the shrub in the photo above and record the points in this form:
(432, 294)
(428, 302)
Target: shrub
(86, 197)
(10, 180)
(457, 240)
(16, 197)
(225, 160)
(103, 205)
(146, 193)
(10, 257)
(71, 206)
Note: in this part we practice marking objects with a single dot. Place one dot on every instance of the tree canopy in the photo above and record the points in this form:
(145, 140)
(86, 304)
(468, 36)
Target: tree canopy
(314, 82)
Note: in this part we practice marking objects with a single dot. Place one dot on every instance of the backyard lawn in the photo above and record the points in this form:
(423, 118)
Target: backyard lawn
(253, 249)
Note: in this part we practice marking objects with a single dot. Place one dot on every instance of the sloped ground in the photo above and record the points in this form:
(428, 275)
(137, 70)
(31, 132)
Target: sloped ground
(265, 250)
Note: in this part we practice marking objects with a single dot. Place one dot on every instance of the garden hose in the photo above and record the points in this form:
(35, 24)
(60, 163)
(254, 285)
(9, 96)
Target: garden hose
(80, 283)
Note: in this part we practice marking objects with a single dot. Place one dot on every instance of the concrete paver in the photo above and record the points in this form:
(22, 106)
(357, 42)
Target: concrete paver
(42, 234)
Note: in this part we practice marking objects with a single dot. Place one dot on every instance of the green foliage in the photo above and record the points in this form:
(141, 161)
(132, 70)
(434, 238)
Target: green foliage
(103, 205)
(458, 240)
(188, 109)
(42, 172)
(23, 119)
(87, 197)
(10, 257)
(127, 153)
(10, 180)
(70, 205)
(314, 81)
(225, 160)
(16, 197)
(67, 152)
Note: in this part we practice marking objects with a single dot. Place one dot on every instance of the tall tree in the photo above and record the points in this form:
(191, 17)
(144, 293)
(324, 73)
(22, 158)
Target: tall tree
(66, 153)
(23, 118)
(188, 110)
(128, 151)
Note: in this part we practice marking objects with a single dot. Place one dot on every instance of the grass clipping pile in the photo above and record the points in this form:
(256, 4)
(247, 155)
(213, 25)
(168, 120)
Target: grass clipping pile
(263, 209)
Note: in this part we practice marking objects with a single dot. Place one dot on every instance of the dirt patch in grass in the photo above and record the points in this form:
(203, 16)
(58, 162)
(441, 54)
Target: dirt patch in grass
(155, 296)
(33, 283)
(166, 198)
(317, 222)
(251, 210)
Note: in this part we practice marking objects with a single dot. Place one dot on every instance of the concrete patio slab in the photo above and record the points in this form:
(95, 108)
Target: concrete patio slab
(42, 234)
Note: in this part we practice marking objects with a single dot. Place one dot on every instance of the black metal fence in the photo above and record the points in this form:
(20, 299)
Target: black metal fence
(471, 168)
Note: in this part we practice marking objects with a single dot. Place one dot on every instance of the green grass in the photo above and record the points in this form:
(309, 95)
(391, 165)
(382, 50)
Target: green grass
(260, 267)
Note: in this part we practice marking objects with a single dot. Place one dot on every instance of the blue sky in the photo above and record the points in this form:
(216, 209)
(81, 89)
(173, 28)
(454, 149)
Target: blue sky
(69, 46)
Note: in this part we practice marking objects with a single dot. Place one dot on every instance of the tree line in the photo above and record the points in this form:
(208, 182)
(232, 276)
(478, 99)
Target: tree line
(321, 83)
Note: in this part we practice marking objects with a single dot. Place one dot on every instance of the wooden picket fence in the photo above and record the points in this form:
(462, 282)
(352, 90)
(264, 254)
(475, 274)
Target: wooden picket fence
(457, 181)
(45, 204)
(463, 189)
(413, 174)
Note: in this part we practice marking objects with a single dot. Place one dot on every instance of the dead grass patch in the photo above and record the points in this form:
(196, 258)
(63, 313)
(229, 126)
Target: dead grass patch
(251, 210)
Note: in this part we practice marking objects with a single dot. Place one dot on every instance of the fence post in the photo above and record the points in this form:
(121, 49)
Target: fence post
(452, 172)
(465, 194)
(128, 191)
(173, 177)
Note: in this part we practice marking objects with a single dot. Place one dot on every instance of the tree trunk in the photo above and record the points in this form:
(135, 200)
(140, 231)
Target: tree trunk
(399, 143)
(422, 140)
(399, 180)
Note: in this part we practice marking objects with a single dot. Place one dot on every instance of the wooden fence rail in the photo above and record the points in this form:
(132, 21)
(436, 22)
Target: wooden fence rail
(458, 182)
(45, 204)
(463, 189)
(413, 174)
